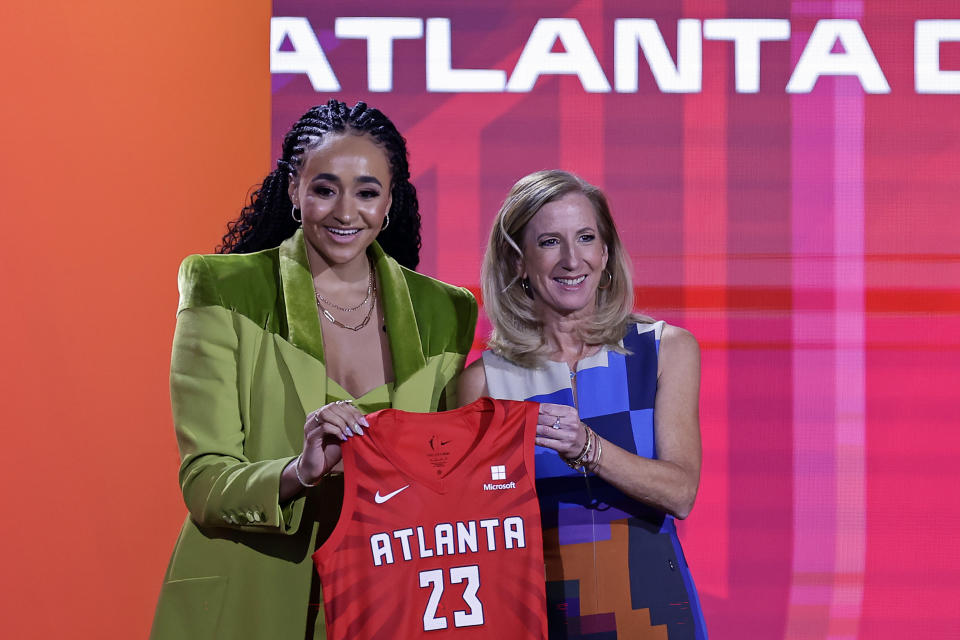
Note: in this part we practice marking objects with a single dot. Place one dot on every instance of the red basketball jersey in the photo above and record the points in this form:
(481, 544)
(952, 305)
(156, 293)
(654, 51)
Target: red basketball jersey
(439, 535)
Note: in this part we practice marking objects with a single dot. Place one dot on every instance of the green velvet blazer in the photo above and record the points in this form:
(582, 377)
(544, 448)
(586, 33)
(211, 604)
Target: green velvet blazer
(247, 366)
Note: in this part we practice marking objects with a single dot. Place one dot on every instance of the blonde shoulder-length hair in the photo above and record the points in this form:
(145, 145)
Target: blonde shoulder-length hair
(517, 332)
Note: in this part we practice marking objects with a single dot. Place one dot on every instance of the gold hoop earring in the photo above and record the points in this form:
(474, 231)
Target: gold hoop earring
(293, 214)
(386, 222)
(609, 280)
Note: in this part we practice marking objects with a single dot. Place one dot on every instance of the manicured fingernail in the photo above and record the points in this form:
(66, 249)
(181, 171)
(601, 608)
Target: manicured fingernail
(358, 430)
(364, 422)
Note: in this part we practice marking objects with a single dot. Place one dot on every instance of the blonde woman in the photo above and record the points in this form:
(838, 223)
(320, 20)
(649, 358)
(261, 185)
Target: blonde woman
(611, 477)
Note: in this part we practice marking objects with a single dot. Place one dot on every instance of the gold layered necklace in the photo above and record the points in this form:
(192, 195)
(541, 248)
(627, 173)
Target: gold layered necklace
(371, 297)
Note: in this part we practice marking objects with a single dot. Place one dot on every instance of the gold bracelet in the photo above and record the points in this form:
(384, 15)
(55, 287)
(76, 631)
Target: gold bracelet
(596, 461)
(586, 456)
(577, 462)
(296, 469)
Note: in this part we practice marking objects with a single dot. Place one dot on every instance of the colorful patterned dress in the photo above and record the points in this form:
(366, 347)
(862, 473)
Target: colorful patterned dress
(614, 566)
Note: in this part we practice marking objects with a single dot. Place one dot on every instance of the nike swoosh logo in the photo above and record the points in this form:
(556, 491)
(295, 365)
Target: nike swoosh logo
(379, 499)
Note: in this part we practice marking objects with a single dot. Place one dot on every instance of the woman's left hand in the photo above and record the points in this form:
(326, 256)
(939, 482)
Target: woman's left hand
(559, 428)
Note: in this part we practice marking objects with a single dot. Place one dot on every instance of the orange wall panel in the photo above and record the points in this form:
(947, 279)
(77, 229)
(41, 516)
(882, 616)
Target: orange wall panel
(129, 134)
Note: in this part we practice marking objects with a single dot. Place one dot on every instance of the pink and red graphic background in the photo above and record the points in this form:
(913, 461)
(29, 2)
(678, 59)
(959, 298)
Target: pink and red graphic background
(806, 239)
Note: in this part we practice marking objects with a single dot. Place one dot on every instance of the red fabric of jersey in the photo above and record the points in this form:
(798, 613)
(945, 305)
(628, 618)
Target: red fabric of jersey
(439, 535)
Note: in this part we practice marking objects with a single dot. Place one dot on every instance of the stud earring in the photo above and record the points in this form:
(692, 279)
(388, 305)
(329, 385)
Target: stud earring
(527, 289)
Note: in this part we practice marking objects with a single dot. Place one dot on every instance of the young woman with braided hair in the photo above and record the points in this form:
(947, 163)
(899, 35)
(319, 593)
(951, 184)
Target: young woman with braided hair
(310, 317)
(266, 221)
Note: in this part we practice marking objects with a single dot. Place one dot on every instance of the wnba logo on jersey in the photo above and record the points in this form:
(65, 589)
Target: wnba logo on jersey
(437, 454)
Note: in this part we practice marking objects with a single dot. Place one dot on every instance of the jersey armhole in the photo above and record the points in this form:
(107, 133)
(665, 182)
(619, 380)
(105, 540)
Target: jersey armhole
(329, 546)
(530, 417)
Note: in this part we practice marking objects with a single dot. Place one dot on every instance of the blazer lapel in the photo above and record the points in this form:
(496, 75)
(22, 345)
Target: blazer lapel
(403, 333)
(303, 323)
(305, 363)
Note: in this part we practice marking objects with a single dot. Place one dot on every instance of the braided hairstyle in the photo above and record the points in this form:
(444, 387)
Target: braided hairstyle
(266, 221)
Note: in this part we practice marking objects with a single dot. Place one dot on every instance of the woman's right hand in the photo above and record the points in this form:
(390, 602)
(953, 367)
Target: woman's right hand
(337, 422)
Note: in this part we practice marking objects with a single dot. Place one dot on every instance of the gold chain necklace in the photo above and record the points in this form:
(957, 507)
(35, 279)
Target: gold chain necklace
(333, 304)
(371, 295)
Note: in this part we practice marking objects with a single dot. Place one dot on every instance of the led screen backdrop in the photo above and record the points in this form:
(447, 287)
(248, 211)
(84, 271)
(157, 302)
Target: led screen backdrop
(784, 175)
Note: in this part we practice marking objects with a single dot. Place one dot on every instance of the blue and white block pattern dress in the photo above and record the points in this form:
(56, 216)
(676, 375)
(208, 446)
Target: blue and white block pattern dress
(614, 566)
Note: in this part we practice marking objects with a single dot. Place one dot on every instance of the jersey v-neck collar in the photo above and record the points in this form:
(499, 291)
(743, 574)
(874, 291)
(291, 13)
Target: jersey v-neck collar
(385, 437)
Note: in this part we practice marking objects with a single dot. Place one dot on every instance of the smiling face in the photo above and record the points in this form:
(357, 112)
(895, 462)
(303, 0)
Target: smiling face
(343, 193)
(564, 255)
